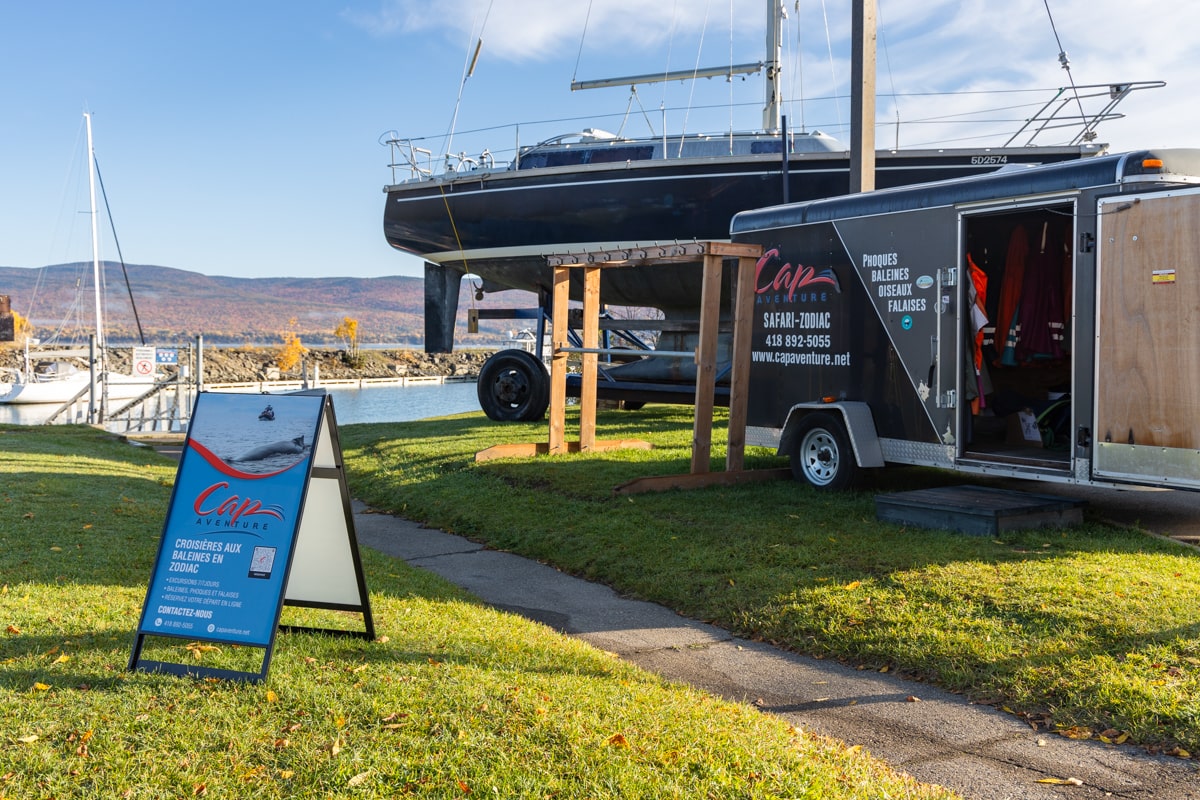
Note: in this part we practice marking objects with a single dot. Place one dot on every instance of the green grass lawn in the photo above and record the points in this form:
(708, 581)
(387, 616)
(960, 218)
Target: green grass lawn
(1090, 632)
(451, 700)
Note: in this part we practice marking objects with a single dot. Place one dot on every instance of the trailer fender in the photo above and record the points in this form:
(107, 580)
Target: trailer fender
(860, 426)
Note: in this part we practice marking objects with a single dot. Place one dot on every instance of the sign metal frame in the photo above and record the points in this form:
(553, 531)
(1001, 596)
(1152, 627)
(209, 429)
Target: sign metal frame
(249, 531)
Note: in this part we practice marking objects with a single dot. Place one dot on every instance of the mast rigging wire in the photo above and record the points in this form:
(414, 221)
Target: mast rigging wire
(832, 67)
(120, 256)
(888, 62)
(692, 84)
(583, 36)
(468, 71)
(1088, 133)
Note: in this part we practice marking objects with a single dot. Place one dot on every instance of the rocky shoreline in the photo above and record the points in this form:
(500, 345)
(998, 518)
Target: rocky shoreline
(237, 364)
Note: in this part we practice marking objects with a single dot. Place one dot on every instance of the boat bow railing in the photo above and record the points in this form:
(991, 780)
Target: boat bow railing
(1058, 111)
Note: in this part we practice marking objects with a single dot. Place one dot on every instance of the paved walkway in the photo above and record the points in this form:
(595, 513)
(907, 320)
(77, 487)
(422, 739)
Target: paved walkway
(933, 735)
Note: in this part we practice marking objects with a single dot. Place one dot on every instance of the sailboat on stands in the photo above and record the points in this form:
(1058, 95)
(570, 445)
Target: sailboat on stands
(49, 376)
(586, 190)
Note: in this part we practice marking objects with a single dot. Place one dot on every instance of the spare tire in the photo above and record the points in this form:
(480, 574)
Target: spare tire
(513, 387)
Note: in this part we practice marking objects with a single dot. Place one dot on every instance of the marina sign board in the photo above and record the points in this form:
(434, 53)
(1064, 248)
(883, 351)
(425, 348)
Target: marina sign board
(143, 362)
(259, 491)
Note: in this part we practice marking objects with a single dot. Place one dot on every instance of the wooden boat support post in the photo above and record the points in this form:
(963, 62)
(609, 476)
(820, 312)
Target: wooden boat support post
(712, 256)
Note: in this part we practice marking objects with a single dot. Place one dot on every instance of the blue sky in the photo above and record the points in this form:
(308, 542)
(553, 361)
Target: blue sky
(242, 138)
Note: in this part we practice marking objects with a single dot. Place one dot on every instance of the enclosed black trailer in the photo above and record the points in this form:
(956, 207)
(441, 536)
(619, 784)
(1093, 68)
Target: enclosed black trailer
(1040, 323)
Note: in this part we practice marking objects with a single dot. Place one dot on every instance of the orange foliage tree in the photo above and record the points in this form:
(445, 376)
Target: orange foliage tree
(292, 350)
(347, 331)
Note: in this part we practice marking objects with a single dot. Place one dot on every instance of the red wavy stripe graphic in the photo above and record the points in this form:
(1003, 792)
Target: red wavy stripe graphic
(220, 466)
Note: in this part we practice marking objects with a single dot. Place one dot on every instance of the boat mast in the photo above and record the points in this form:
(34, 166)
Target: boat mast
(773, 73)
(95, 238)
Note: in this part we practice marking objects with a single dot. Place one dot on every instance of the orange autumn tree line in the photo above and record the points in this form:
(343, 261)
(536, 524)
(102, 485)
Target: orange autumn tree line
(292, 349)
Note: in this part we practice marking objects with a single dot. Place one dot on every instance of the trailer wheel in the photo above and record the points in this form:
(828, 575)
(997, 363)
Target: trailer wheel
(513, 387)
(822, 456)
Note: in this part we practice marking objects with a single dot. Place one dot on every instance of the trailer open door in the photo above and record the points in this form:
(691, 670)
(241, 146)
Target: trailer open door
(1147, 348)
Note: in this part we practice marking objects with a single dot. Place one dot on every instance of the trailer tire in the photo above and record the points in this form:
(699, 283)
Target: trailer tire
(513, 387)
(822, 456)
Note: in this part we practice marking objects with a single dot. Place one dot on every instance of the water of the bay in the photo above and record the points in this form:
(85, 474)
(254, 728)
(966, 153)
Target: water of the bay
(402, 403)
(350, 405)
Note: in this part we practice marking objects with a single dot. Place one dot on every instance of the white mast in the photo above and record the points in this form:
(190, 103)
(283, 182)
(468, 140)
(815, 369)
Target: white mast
(773, 67)
(95, 238)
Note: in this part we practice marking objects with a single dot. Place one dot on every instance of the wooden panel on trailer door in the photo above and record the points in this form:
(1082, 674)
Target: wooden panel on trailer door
(1148, 348)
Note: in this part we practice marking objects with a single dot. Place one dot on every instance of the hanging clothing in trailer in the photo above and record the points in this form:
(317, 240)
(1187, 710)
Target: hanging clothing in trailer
(1041, 310)
(1007, 318)
(978, 388)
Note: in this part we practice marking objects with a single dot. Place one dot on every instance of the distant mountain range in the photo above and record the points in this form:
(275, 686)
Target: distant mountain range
(174, 305)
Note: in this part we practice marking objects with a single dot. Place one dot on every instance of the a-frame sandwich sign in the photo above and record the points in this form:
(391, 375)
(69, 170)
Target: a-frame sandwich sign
(259, 518)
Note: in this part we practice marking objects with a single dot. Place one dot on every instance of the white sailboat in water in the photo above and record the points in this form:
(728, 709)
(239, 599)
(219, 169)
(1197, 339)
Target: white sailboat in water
(46, 379)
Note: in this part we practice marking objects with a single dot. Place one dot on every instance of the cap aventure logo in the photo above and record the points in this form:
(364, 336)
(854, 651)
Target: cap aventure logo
(215, 507)
(787, 280)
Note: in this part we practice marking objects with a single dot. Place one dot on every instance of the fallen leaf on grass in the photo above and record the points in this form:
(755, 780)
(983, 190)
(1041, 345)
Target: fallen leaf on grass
(198, 650)
(1113, 736)
(14, 630)
(1061, 781)
(618, 740)
(1077, 732)
(30, 739)
(254, 773)
(41, 687)
(272, 697)
(64, 658)
(359, 778)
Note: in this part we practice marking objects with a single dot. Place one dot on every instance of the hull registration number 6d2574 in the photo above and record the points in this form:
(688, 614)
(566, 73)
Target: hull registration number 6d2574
(977, 161)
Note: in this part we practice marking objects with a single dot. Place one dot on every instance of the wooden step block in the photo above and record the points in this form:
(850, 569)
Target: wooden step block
(978, 510)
